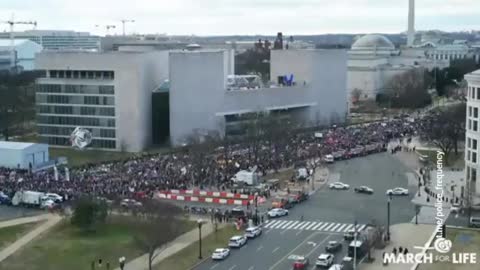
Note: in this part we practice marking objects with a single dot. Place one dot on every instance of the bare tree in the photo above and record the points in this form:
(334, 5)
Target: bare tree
(155, 224)
(409, 89)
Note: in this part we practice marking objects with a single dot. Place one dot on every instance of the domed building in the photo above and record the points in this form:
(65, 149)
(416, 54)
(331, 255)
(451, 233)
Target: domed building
(373, 61)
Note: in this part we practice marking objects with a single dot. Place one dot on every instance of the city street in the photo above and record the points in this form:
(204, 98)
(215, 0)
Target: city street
(326, 216)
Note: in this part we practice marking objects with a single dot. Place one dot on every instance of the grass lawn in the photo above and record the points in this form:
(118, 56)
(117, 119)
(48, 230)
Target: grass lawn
(65, 247)
(188, 257)
(454, 161)
(463, 241)
(11, 234)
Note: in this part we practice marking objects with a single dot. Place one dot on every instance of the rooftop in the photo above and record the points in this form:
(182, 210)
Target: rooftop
(16, 42)
(14, 145)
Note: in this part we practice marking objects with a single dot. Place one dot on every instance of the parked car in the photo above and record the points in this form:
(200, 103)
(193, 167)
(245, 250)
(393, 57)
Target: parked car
(338, 185)
(301, 263)
(4, 199)
(237, 241)
(54, 197)
(277, 212)
(220, 253)
(398, 191)
(325, 260)
(333, 246)
(253, 232)
(363, 189)
(130, 203)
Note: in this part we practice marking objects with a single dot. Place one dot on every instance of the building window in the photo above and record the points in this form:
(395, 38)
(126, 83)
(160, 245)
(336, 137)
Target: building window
(475, 112)
(474, 144)
(469, 124)
(473, 174)
(473, 93)
(478, 92)
(469, 111)
(469, 142)
(474, 157)
(468, 155)
(475, 125)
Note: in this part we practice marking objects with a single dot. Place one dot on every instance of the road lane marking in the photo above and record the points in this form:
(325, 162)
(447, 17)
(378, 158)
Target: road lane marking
(269, 225)
(311, 226)
(233, 267)
(276, 226)
(213, 267)
(340, 229)
(318, 225)
(259, 248)
(293, 250)
(330, 226)
(361, 227)
(348, 228)
(304, 225)
(335, 227)
(285, 225)
(291, 225)
(275, 250)
(298, 225)
(324, 226)
(317, 246)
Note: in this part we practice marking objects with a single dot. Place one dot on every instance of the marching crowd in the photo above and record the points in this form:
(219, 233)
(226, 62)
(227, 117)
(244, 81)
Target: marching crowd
(143, 176)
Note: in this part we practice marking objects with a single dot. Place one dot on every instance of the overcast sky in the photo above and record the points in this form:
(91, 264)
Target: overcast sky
(227, 17)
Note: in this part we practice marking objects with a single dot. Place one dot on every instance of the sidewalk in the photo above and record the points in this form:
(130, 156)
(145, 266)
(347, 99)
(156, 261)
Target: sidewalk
(24, 220)
(52, 221)
(404, 235)
(181, 242)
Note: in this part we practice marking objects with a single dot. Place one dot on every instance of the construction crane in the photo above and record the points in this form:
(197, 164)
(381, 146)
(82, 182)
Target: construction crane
(107, 27)
(12, 23)
(123, 24)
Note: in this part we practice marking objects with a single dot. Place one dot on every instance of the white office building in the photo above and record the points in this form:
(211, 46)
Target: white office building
(58, 39)
(24, 52)
(107, 93)
(472, 145)
(19, 155)
(308, 86)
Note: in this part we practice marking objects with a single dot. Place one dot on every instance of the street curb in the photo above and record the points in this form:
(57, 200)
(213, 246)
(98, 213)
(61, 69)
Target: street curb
(463, 228)
(198, 263)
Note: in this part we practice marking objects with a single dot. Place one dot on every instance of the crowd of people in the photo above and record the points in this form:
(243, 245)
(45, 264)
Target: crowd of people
(185, 169)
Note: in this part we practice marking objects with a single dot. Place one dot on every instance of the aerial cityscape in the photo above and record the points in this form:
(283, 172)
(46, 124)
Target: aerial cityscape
(239, 135)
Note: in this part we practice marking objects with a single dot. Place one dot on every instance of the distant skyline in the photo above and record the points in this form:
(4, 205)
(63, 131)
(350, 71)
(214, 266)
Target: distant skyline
(242, 17)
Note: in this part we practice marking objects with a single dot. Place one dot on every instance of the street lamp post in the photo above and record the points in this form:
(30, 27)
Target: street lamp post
(388, 216)
(121, 261)
(200, 223)
(355, 245)
(256, 209)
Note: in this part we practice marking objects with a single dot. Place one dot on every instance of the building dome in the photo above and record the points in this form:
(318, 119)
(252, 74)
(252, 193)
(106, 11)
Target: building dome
(373, 42)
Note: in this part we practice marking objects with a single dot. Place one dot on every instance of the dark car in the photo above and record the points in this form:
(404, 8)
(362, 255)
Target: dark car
(333, 246)
(363, 189)
(4, 199)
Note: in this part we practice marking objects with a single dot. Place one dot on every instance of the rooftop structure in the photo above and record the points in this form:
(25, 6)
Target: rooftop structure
(58, 39)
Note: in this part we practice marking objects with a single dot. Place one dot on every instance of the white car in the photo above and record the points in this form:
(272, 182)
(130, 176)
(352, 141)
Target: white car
(237, 241)
(130, 203)
(54, 197)
(253, 232)
(325, 260)
(338, 185)
(47, 204)
(397, 191)
(220, 253)
(277, 212)
(336, 267)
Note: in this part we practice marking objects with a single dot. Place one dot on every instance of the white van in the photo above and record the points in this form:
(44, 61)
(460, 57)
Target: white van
(475, 222)
(329, 159)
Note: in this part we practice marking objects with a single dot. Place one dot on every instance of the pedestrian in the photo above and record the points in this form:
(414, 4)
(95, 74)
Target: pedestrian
(394, 251)
(400, 250)
(405, 251)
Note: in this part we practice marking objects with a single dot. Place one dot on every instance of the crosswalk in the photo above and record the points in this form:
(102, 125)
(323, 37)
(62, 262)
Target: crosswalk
(332, 227)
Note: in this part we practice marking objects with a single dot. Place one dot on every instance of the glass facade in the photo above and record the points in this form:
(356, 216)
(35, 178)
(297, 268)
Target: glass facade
(63, 107)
